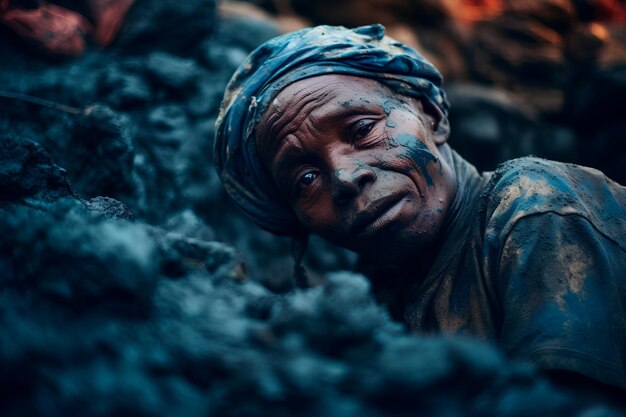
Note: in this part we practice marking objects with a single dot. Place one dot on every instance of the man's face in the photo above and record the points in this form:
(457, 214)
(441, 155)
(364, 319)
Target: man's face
(359, 164)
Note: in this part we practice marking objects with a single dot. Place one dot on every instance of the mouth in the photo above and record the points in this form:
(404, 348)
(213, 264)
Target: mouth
(377, 214)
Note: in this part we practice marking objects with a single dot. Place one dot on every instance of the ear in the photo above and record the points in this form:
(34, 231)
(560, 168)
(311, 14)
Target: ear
(438, 121)
(442, 131)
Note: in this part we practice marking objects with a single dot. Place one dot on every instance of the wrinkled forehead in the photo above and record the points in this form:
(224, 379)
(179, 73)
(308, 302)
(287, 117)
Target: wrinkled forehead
(333, 85)
(313, 100)
(306, 97)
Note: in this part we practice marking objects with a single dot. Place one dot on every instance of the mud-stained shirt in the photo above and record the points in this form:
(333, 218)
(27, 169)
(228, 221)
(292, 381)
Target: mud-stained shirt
(535, 261)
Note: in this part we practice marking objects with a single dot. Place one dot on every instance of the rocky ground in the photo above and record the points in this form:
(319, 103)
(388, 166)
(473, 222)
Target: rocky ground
(129, 285)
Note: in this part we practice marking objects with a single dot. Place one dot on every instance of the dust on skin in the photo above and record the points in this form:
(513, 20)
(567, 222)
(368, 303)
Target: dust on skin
(346, 104)
(415, 149)
(388, 107)
(416, 152)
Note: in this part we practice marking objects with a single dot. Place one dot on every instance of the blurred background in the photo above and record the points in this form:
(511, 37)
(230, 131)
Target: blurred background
(107, 111)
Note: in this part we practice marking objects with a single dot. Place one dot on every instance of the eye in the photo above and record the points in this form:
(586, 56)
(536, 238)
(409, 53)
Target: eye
(303, 183)
(361, 128)
(307, 179)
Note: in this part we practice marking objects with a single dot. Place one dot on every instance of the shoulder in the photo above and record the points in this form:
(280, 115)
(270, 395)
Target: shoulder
(531, 186)
(554, 250)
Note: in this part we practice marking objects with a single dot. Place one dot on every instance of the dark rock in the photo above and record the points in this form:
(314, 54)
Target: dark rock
(28, 172)
(102, 154)
(169, 26)
(206, 99)
(93, 144)
(170, 125)
(109, 208)
(148, 345)
(216, 55)
(244, 31)
(171, 71)
(70, 257)
(321, 325)
(188, 224)
(124, 89)
(217, 258)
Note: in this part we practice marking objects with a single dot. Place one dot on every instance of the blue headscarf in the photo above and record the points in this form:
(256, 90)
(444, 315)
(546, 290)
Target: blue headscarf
(364, 51)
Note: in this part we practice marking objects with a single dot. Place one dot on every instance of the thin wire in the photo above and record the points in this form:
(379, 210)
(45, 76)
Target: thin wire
(11, 95)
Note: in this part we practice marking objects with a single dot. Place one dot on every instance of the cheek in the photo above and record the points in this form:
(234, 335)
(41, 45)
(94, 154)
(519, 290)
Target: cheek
(318, 214)
(322, 219)
(414, 154)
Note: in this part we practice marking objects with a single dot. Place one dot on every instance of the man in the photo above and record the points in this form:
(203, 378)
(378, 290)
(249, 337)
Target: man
(343, 133)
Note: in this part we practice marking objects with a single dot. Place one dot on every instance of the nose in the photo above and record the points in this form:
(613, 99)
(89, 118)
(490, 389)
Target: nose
(349, 179)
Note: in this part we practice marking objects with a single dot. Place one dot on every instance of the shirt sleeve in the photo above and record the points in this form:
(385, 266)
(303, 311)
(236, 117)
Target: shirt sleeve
(562, 286)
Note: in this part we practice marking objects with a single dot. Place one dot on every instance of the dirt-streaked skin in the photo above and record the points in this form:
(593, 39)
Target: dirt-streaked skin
(360, 165)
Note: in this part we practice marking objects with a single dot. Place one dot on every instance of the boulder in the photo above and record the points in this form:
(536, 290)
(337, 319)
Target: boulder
(27, 172)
